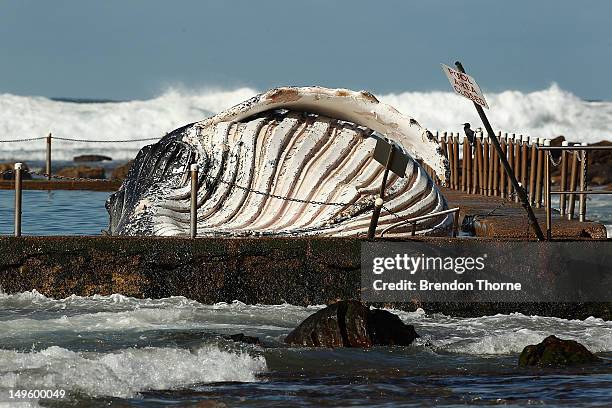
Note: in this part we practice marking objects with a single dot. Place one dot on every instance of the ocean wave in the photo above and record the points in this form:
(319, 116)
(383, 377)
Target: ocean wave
(126, 372)
(29, 315)
(545, 113)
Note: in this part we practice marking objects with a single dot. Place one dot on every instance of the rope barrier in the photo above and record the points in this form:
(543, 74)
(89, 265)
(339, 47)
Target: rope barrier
(105, 141)
(22, 140)
(80, 140)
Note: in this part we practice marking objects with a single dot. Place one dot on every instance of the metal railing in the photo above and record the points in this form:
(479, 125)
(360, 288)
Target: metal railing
(48, 140)
(579, 153)
(415, 220)
(18, 172)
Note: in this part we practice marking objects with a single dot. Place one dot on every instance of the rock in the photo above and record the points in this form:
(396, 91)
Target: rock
(120, 172)
(91, 158)
(82, 172)
(600, 164)
(242, 338)
(350, 323)
(553, 351)
(557, 141)
(10, 176)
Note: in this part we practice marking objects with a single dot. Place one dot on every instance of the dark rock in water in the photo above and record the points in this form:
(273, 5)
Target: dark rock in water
(10, 176)
(121, 172)
(91, 158)
(242, 338)
(83, 172)
(350, 323)
(553, 351)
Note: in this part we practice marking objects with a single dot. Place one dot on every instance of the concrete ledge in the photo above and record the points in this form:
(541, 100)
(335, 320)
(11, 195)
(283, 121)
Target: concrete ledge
(301, 271)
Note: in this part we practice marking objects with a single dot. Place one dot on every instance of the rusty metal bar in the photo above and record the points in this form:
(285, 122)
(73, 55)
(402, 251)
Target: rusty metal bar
(468, 159)
(532, 169)
(547, 189)
(456, 160)
(481, 165)
(510, 148)
(381, 195)
(583, 186)
(539, 175)
(18, 200)
(48, 158)
(584, 192)
(581, 147)
(517, 160)
(464, 165)
(524, 162)
(486, 164)
(503, 175)
(571, 203)
(563, 182)
(193, 219)
(496, 163)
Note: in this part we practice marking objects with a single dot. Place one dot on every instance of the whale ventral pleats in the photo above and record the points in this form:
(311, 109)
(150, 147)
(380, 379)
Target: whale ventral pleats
(291, 161)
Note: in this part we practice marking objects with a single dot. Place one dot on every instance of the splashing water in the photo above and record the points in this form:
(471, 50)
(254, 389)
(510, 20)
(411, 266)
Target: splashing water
(546, 113)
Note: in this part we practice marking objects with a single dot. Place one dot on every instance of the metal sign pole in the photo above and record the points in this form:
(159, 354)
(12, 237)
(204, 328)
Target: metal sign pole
(381, 195)
(533, 221)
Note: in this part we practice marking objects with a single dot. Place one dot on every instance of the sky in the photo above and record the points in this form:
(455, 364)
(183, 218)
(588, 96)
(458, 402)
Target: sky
(137, 49)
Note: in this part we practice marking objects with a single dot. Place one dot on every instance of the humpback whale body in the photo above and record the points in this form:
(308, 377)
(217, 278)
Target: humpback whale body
(291, 161)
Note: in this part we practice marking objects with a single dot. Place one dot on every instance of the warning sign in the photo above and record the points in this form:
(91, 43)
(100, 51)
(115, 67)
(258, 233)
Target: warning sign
(465, 85)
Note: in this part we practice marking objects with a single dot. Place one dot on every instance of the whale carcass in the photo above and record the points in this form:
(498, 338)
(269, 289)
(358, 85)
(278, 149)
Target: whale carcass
(290, 161)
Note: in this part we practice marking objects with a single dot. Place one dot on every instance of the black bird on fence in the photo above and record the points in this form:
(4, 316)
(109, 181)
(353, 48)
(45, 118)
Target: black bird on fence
(469, 133)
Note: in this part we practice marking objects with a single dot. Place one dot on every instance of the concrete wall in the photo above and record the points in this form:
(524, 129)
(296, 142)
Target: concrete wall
(299, 271)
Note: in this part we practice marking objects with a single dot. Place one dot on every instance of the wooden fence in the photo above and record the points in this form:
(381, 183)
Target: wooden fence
(476, 168)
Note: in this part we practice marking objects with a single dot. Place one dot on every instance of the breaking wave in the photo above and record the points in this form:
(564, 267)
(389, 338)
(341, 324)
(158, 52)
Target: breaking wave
(126, 372)
(545, 113)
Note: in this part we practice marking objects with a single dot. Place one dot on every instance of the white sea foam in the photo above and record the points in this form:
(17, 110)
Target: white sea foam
(545, 113)
(499, 334)
(78, 314)
(506, 334)
(125, 372)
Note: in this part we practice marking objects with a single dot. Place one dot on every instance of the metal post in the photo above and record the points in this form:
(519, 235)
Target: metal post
(464, 165)
(481, 164)
(468, 158)
(547, 185)
(381, 196)
(456, 160)
(485, 166)
(48, 164)
(524, 147)
(511, 162)
(563, 184)
(583, 186)
(502, 157)
(540, 170)
(495, 159)
(533, 169)
(571, 198)
(193, 220)
(455, 223)
(521, 193)
(517, 160)
(18, 167)
(475, 164)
